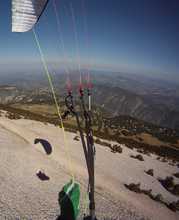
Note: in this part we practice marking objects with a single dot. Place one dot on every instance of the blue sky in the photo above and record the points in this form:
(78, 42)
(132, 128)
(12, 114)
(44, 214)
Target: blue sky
(135, 36)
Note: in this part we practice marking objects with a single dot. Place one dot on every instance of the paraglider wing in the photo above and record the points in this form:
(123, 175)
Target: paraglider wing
(26, 13)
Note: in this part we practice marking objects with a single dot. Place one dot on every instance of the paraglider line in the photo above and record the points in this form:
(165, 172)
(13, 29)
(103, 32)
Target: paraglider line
(89, 86)
(76, 41)
(55, 100)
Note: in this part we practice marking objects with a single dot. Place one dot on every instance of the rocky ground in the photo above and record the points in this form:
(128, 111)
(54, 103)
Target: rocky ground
(25, 196)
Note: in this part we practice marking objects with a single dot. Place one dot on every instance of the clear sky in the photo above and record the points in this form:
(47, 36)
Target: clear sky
(124, 35)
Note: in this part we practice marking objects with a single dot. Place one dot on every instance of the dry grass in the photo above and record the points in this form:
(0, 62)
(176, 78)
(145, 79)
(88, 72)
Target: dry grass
(149, 139)
(37, 108)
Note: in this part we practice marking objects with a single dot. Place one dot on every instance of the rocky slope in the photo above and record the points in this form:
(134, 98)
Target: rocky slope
(117, 101)
(23, 195)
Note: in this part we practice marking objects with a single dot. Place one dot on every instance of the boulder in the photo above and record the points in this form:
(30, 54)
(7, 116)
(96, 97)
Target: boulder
(150, 172)
(176, 190)
(76, 138)
(134, 187)
(138, 157)
(176, 175)
(174, 206)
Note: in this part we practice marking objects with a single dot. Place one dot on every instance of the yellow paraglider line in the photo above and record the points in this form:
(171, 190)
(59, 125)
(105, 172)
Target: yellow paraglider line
(56, 103)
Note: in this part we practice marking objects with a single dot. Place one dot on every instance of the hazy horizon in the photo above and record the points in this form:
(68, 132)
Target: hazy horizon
(138, 37)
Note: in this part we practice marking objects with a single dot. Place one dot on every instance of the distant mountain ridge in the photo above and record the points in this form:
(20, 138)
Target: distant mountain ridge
(118, 101)
(117, 94)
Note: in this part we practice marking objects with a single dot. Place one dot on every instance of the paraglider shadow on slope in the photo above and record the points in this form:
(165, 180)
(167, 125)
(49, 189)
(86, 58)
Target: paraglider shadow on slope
(42, 176)
(46, 145)
(66, 206)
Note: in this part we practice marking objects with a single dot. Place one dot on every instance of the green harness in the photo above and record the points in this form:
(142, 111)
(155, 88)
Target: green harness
(69, 200)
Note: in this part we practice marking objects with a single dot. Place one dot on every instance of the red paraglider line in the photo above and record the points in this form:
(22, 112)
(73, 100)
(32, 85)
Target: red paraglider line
(86, 34)
(59, 25)
(76, 43)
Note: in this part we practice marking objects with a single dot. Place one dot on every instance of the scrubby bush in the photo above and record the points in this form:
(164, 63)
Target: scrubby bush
(169, 184)
(164, 160)
(133, 187)
(176, 190)
(103, 143)
(158, 198)
(150, 172)
(116, 148)
(174, 206)
(176, 175)
(76, 138)
(138, 157)
(13, 116)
